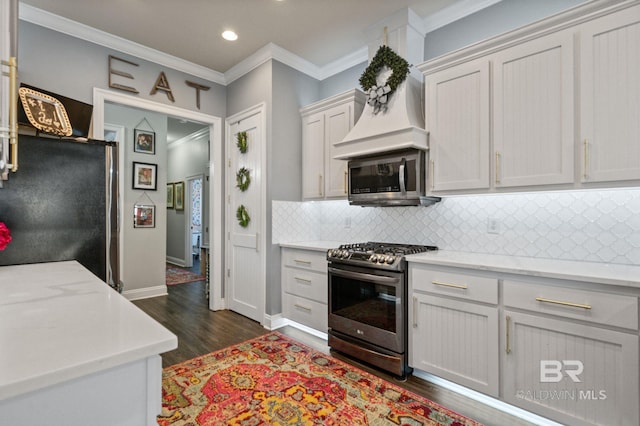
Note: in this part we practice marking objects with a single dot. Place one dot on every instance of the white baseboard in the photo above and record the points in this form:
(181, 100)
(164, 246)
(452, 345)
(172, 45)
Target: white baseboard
(176, 261)
(485, 399)
(145, 293)
(278, 321)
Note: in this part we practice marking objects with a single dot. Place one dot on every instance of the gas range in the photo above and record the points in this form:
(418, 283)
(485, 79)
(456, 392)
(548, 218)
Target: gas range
(387, 256)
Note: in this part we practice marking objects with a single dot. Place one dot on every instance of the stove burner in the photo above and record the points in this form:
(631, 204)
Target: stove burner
(375, 254)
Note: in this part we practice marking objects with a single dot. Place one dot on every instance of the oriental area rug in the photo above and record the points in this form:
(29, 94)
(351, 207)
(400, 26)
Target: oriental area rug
(274, 380)
(176, 275)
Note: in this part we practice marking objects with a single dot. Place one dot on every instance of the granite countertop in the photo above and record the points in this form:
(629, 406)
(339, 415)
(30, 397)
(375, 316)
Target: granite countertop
(312, 245)
(602, 273)
(58, 322)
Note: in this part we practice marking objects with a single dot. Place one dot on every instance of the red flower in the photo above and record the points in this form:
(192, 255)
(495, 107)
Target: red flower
(5, 236)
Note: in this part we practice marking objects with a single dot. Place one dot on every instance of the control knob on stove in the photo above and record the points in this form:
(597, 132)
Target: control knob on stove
(389, 259)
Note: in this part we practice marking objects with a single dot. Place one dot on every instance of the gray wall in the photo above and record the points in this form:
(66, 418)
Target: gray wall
(502, 17)
(346, 80)
(72, 67)
(144, 248)
(185, 159)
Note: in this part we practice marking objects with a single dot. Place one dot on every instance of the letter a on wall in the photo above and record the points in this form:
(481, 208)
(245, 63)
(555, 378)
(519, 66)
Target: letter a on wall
(162, 84)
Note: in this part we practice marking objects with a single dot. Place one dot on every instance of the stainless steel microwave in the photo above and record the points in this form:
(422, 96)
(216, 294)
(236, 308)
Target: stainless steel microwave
(391, 179)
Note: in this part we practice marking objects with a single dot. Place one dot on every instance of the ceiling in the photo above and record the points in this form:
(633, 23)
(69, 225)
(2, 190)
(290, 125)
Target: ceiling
(319, 31)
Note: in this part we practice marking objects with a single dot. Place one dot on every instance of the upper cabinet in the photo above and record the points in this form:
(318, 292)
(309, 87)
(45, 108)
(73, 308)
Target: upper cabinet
(457, 117)
(324, 124)
(533, 96)
(610, 97)
(552, 105)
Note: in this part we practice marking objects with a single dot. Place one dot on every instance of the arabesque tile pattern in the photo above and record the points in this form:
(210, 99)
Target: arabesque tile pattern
(590, 225)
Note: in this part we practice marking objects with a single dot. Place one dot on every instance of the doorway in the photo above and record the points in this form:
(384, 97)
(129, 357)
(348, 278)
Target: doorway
(214, 190)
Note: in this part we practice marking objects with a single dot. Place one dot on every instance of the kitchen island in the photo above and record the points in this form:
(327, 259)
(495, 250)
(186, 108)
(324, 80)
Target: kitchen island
(75, 352)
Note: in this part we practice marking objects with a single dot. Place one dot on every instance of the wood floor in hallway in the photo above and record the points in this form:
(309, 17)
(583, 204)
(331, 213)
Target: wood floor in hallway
(200, 331)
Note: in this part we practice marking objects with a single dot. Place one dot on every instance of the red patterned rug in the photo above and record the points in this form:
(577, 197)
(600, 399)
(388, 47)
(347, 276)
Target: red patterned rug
(274, 380)
(177, 275)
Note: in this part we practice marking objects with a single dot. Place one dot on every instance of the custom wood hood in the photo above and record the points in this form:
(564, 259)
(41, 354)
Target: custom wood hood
(401, 125)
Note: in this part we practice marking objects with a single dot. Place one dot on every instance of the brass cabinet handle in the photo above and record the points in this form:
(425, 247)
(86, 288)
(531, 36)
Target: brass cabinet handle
(320, 185)
(415, 312)
(432, 175)
(345, 182)
(497, 167)
(508, 343)
(306, 308)
(443, 284)
(306, 262)
(304, 280)
(563, 303)
(586, 159)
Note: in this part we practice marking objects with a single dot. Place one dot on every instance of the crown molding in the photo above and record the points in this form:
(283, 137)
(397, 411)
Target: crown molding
(66, 26)
(198, 134)
(268, 52)
(455, 12)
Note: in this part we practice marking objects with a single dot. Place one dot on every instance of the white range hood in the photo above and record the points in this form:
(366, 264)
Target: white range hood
(401, 126)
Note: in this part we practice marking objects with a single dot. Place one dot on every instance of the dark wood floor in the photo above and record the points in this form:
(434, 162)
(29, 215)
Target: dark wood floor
(200, 331)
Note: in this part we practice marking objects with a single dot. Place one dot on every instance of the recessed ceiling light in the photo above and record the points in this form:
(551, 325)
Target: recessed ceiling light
(229, 35)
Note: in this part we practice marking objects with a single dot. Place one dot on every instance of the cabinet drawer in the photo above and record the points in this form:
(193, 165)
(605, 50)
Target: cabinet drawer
(593, 306)
(304, 311)
(305, 259)
(308, 284)
(455, 284)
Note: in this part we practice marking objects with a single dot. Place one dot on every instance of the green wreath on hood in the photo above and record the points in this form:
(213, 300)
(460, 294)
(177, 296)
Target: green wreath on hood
(378, 96)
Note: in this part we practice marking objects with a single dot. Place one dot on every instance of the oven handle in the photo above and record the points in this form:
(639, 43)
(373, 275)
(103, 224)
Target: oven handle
(379, 279)
(401, 173)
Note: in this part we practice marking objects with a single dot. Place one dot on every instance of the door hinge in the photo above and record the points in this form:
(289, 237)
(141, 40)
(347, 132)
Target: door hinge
(228, 273)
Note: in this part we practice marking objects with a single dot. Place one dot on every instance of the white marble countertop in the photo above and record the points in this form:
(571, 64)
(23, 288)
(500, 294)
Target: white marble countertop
(58, 322)
(312, 245)
(603, 273)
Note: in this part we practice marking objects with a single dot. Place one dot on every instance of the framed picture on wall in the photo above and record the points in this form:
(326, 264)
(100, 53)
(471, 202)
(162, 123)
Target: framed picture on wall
(144, 141)
(145, 176)
(170, 195)
(179, 195)
(144, 216)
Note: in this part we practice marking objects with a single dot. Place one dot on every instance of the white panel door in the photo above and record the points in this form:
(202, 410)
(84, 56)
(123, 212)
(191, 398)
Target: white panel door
(456, 340)
(245, 259)
(457, 119)
(589, 375)
(533, 112)
(610, 97)
(338, 122)
(313, 156)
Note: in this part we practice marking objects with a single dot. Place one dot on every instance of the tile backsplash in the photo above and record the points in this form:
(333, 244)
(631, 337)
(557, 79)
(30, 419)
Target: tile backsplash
(590, 225)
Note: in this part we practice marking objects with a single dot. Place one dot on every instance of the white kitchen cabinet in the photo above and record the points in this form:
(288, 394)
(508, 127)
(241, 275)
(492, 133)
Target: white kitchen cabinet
(453, 335)
(304, 287)
(533, 120)
(325, 123)
(563, 360)
(504, 114)
(609, 94)
(457, 118)
(8, 51)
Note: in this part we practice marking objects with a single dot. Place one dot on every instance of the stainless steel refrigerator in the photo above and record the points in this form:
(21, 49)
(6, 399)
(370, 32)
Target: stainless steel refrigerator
(62, 204)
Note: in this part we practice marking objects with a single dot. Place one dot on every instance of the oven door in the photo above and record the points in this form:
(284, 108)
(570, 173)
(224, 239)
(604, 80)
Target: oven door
(369, 305)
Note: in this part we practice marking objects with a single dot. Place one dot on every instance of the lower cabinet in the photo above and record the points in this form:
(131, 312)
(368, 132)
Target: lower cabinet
(457, 341)
(563, 350)
(572, 373)
(304, 287)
